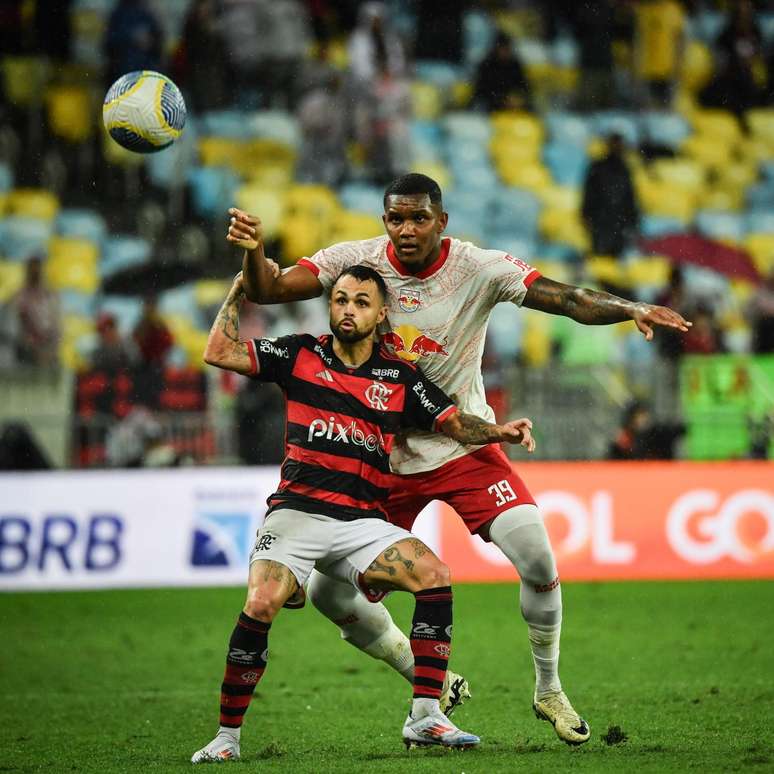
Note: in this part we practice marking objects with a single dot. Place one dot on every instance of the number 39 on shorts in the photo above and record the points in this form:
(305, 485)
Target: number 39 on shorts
(503, 493)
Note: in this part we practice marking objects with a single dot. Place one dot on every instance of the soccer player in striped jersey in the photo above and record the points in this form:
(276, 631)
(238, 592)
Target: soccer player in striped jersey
(347, 397)
(442, 291)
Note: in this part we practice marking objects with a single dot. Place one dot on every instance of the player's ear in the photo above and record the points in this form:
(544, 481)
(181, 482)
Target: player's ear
(382, 314)
(443, 221)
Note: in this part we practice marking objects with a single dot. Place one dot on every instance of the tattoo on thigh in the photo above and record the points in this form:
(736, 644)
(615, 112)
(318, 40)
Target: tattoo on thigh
(420, 549)
(377, 566)
(278, 572)
(393, 554)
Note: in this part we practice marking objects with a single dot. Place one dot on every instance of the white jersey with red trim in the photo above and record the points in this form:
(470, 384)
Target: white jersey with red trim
(438, 319)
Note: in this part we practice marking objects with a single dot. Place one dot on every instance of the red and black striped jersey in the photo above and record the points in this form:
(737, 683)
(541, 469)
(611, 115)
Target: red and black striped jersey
(341, 422)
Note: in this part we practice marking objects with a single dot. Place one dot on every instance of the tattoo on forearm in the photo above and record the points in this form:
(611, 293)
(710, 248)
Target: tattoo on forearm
(228, 317)
(591, 307)
(473, 429)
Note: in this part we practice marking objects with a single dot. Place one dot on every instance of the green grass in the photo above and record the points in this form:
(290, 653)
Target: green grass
(128, 681)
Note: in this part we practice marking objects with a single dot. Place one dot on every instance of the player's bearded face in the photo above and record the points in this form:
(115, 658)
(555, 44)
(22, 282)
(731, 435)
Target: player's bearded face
(356, 309)
(414, 225)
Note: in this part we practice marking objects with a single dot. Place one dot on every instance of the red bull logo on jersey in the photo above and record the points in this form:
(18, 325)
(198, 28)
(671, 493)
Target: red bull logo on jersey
(409, 343)
(409, 300)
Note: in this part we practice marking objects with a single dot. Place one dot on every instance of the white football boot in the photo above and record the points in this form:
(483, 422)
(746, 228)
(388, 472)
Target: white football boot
(436, 729)
(223, 747)
(455, 691)
(555, 707)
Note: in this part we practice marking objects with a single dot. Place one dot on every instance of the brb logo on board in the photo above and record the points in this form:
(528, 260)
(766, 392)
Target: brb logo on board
(221, 540)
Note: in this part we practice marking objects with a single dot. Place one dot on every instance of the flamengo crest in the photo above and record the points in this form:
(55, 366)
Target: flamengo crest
(377, 395)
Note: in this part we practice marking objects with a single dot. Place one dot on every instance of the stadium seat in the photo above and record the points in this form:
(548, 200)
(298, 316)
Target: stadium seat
(667, 130)
(22, 237)
(425, 140)
(697, 66)
(442, 75)
(513, 243)
(760, 221)
(567, 163)
(761, 249)
(426, 101)
(607, 122)
(72, 264)
(663, 199)
(468, 126)
(648, 271)
(70, 113)
(6, 178)
(363, 197)
(11, 279)
(461, 154)
(606, 269)
(463, 201)
(302, 235)
(519, 126)
(86, 224)
(516, 210)
(761, 123)
(265, 152)
(77, 303)
(720, 125)
(555, 270)
(220, 152)
(227, 124)
(126, 309)
(210, 292)
(24, 79)
(761, 195)
(212, 190)
(267, 204)
(568, 128)
(437, 170)
(685, 173)
(660, 225)
(277, 125)
(564, 227)
(478, 33)
(317, 201)
(712, 152)
(534, 177)
(181, 302)
(32, 203)
(123, 251)
(721, 196)
(720, 225)
(350, 226)
(561, 197)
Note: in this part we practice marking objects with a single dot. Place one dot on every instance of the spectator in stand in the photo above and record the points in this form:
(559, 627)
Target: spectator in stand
(202, 57)
(134, 39)
(658, 51)
(594, 28)
(627, 444)
(380, 93)
(36, 319)
(19, 450)
(112, 353)
(610, 208)
(740, 80)
(761, 314)
(705, 337)
(152, 336)
(674, 296)
(500, 82)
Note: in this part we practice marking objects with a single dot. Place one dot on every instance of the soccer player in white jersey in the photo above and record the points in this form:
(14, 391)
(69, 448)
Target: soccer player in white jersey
(442, 291)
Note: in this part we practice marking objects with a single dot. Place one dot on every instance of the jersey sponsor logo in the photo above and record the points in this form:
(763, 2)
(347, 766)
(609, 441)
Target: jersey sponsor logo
(377, 396)
(409, 300)
(325, 375)
(351, 433)
(321, 352)
(380, 373)
(409, 343)
(426, 403)
(518, 262)
(268, 347)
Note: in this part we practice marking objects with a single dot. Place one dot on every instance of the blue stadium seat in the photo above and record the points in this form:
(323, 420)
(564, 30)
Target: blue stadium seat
(760, 222)
(480, 177)
(73, 302)
(81, 223)
(568, 128)
(169, 170)
(126, 309)
(720, 225)
(276, 125)
(181, 302)
(512, 243)
(567, 163)
(468, 126)
(564, 52)
(212, 190)
(224, 123)
(555, 251)
(766, 25)
(761, 195)
(121, 252)
(362, 197)
(468, 211)
(439, 73)
(478, 34)
(666, 129)
(706, 25)
(660, 225)
(516, 211)
(620, 122)
(22, 237)
(426, 140)
(6, 178)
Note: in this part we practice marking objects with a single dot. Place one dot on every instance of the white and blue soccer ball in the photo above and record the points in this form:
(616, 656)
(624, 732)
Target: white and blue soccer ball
(144, 111)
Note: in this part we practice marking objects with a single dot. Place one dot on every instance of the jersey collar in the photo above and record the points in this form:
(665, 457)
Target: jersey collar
(403, 270)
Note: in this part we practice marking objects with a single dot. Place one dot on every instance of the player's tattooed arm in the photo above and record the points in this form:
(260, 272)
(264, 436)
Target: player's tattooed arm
(470, 429)
(594, 307)
(264, 282)
(224, 347)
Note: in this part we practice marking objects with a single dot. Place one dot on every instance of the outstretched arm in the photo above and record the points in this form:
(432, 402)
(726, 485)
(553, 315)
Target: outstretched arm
(224, 348)
(594, 307)
(467, 428)
(262, 280)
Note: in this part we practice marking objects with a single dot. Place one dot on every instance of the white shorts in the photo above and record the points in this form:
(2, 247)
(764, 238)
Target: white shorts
(305, 541)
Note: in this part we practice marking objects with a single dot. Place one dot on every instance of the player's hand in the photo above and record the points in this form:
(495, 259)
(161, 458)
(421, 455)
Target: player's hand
(519, 431)
(645, 316)
(244, 230)
(275, 268)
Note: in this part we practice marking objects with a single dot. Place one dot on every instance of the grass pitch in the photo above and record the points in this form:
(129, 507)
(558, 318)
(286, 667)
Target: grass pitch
(671, 677)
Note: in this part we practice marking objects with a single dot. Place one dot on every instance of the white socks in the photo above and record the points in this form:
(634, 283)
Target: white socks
(394, 648)
(544, 641)
(421, 708)
(234, 733)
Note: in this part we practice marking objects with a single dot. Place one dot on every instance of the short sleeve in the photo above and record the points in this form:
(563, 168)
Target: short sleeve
(427, 406)
(272, 359)
(510, 277)
(328, 263)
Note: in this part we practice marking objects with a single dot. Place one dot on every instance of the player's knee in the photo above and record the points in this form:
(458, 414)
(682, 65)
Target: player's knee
(332, 598)
(433, 575)
(538, 567)
(262, 606)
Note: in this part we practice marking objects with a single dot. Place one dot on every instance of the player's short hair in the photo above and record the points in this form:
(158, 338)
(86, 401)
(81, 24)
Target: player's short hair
(363, 273)
(414, 183)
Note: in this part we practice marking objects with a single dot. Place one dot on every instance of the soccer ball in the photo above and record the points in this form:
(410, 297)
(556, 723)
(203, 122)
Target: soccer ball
(144, 111)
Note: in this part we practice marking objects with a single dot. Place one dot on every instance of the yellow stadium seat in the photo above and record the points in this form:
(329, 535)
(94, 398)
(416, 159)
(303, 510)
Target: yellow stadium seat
(211, 292)
(562, 197)
(303, 235)
(606, 269)
(555, 270)
(75, 330)
(426, 101)
(314, 200)
(461, 94)
(11, 279)
(260, 152)
(649, 270)
(712, 152)
(741, 291)
(565, 227)
(720, 125)
(754, 150)
(74, 326)
(761, 248)
(349, 226)
(3, 204)
(761, 123)
(274, 176)
(534, 177)
(682, 172)
(221, 152)
(659, 198)
(193, 342)
(265, 203)
(536, 342)
(697, 66)
(438, 171)
(523, 127)
(721, 196)
(113, 153)
(24, 79)
(72, 264)
(70, 113)
(33, 203)
(507, 150)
